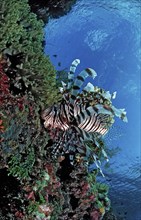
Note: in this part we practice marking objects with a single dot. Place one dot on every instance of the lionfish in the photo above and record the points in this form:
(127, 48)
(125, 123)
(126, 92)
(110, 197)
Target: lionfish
(83, 114)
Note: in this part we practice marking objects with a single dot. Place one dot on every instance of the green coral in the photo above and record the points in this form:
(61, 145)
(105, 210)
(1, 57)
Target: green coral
(19, 168)
(21, 32)
(100, 190)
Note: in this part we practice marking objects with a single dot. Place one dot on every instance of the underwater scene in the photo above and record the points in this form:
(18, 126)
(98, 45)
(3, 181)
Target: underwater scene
(70, 110)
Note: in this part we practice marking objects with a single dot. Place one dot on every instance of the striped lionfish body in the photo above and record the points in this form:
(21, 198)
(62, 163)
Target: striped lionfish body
(81, 115)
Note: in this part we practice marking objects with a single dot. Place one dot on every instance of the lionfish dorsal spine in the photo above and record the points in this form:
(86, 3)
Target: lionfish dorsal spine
(73, 67)
(89, 87)
(79, 81)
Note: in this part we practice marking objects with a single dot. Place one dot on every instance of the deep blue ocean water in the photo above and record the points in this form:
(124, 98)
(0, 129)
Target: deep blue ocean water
(105, 35)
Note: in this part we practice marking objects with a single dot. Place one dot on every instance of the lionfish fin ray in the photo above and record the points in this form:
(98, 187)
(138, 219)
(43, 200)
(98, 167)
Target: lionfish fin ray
(73, 67)
(80, 79)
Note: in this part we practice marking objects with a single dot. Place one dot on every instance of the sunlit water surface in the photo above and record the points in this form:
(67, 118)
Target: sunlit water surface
(105, 35)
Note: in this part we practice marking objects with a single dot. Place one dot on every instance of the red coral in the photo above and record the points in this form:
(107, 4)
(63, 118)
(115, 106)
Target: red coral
(1, 126)
(95, 215)
(31, 196)
(19, 214)
(4, 85)
(6, 98)
(53, 184)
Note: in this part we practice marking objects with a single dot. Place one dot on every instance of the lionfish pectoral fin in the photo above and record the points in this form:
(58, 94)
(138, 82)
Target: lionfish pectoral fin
(121, 113)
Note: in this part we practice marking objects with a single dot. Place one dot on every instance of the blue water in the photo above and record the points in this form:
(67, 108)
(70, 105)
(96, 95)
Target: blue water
(105, 35)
